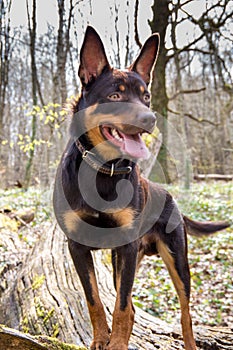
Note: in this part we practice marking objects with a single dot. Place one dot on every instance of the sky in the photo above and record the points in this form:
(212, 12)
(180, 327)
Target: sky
(100, 17)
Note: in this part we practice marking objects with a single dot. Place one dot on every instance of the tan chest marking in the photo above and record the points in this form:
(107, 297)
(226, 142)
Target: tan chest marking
(72, 219)
(123, 217)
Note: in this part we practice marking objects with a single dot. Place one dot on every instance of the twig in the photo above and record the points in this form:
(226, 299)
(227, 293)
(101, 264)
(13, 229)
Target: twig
(193, 91)
(189, 115)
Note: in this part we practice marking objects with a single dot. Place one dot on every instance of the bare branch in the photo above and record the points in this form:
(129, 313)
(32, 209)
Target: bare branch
(185, 48)
(189, 115)
(136, 36)
(193, 91)
(127, 37)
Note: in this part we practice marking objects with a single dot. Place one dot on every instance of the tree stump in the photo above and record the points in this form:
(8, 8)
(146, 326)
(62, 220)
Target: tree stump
(45, 297)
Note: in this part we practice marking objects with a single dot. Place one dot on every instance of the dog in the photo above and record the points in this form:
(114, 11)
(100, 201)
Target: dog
(102, 201)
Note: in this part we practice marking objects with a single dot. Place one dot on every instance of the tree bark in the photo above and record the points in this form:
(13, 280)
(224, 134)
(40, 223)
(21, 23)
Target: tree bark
(159, 25)
(5, 56)
(46, 297)
(206, 177)
(32, 34)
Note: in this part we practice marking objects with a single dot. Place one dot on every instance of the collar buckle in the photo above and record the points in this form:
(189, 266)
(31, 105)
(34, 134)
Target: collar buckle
(112, 170)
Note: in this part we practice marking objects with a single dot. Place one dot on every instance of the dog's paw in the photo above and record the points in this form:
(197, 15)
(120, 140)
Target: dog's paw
(99, 344)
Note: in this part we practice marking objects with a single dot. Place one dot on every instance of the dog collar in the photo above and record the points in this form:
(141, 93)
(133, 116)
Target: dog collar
(92, 160)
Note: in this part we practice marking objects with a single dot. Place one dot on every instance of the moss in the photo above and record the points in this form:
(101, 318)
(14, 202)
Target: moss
(40, 311)
(54, 344)
(38, 281)
(25, 325)
(49, 315)
(55, 330)
(106, 257)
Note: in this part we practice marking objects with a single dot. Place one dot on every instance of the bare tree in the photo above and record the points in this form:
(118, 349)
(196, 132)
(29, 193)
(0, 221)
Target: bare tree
(63, 49)
(32, 35)
(210, 33)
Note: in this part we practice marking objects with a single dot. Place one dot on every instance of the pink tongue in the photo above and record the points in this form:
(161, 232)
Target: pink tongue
(134, 146)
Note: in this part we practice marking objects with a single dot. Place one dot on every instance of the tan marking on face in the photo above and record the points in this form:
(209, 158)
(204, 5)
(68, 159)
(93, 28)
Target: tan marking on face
(123, 217)
(142, 89)
(93, 121)
(180, 288)
(102, 146)
(122, 88)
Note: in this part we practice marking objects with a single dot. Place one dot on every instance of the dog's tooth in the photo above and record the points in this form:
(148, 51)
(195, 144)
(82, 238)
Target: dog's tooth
(114, 133)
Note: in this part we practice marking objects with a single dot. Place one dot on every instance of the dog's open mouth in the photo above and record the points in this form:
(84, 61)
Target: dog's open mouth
(130, 144)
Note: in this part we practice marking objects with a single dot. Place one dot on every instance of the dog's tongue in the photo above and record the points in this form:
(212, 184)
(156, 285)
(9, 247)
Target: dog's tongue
(134, 146)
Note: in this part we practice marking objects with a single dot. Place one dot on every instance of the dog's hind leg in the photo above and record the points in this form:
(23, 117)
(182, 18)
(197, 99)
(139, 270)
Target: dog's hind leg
(174, 255)
(83, 262)
(124, 264)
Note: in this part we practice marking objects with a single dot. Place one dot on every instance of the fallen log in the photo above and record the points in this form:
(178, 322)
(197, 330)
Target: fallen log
(204, 177)
(46, 298)
(11, 339)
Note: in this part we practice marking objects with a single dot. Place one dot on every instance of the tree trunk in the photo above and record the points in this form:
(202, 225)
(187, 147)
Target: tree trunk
(32, 34)
(46, 297)
(5, 56)
(159, 24)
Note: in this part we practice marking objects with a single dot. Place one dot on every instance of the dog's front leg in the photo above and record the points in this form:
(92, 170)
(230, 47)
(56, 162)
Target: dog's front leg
(83, 262)
(123, 316)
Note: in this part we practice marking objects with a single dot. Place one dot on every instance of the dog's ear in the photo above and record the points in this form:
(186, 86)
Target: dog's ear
(92, 57)
(147, 57)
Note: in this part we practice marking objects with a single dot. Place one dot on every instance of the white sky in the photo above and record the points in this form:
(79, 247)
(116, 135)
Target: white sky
(100, 18)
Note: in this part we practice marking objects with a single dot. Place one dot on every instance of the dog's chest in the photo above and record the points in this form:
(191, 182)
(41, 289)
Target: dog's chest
(111, 218)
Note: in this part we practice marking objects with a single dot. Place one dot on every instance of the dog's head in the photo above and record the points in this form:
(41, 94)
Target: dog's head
(114, 104)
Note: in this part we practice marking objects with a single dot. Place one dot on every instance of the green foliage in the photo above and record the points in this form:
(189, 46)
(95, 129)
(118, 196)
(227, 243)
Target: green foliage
(149, 138)
(50, 116)
(206, 201)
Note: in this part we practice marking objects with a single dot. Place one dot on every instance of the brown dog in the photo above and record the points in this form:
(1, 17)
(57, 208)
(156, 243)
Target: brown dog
(101, 201)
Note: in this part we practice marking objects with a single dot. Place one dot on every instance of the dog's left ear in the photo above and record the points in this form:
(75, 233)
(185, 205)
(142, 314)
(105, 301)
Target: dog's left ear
(93, 59)
(147, 58)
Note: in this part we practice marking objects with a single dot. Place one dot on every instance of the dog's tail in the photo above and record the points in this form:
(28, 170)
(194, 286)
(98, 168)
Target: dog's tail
(197, 228)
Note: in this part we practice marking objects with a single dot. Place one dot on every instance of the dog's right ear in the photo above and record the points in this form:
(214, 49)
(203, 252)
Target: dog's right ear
(93, 59)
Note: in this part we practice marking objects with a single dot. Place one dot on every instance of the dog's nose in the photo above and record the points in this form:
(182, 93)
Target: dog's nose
(147, 120)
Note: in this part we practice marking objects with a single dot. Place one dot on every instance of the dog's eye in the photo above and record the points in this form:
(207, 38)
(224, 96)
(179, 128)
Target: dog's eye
(146, 98)
(115, 97)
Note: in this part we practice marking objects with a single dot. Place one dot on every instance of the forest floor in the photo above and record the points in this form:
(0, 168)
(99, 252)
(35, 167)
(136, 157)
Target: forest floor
(210, 258)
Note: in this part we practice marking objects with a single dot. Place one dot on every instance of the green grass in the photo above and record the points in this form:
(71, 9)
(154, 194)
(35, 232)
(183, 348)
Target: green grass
(35, 199)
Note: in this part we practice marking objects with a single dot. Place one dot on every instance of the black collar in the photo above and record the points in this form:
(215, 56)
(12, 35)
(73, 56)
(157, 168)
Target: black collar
(92, 160)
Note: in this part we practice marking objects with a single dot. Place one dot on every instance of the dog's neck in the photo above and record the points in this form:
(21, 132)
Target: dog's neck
(113, 168)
